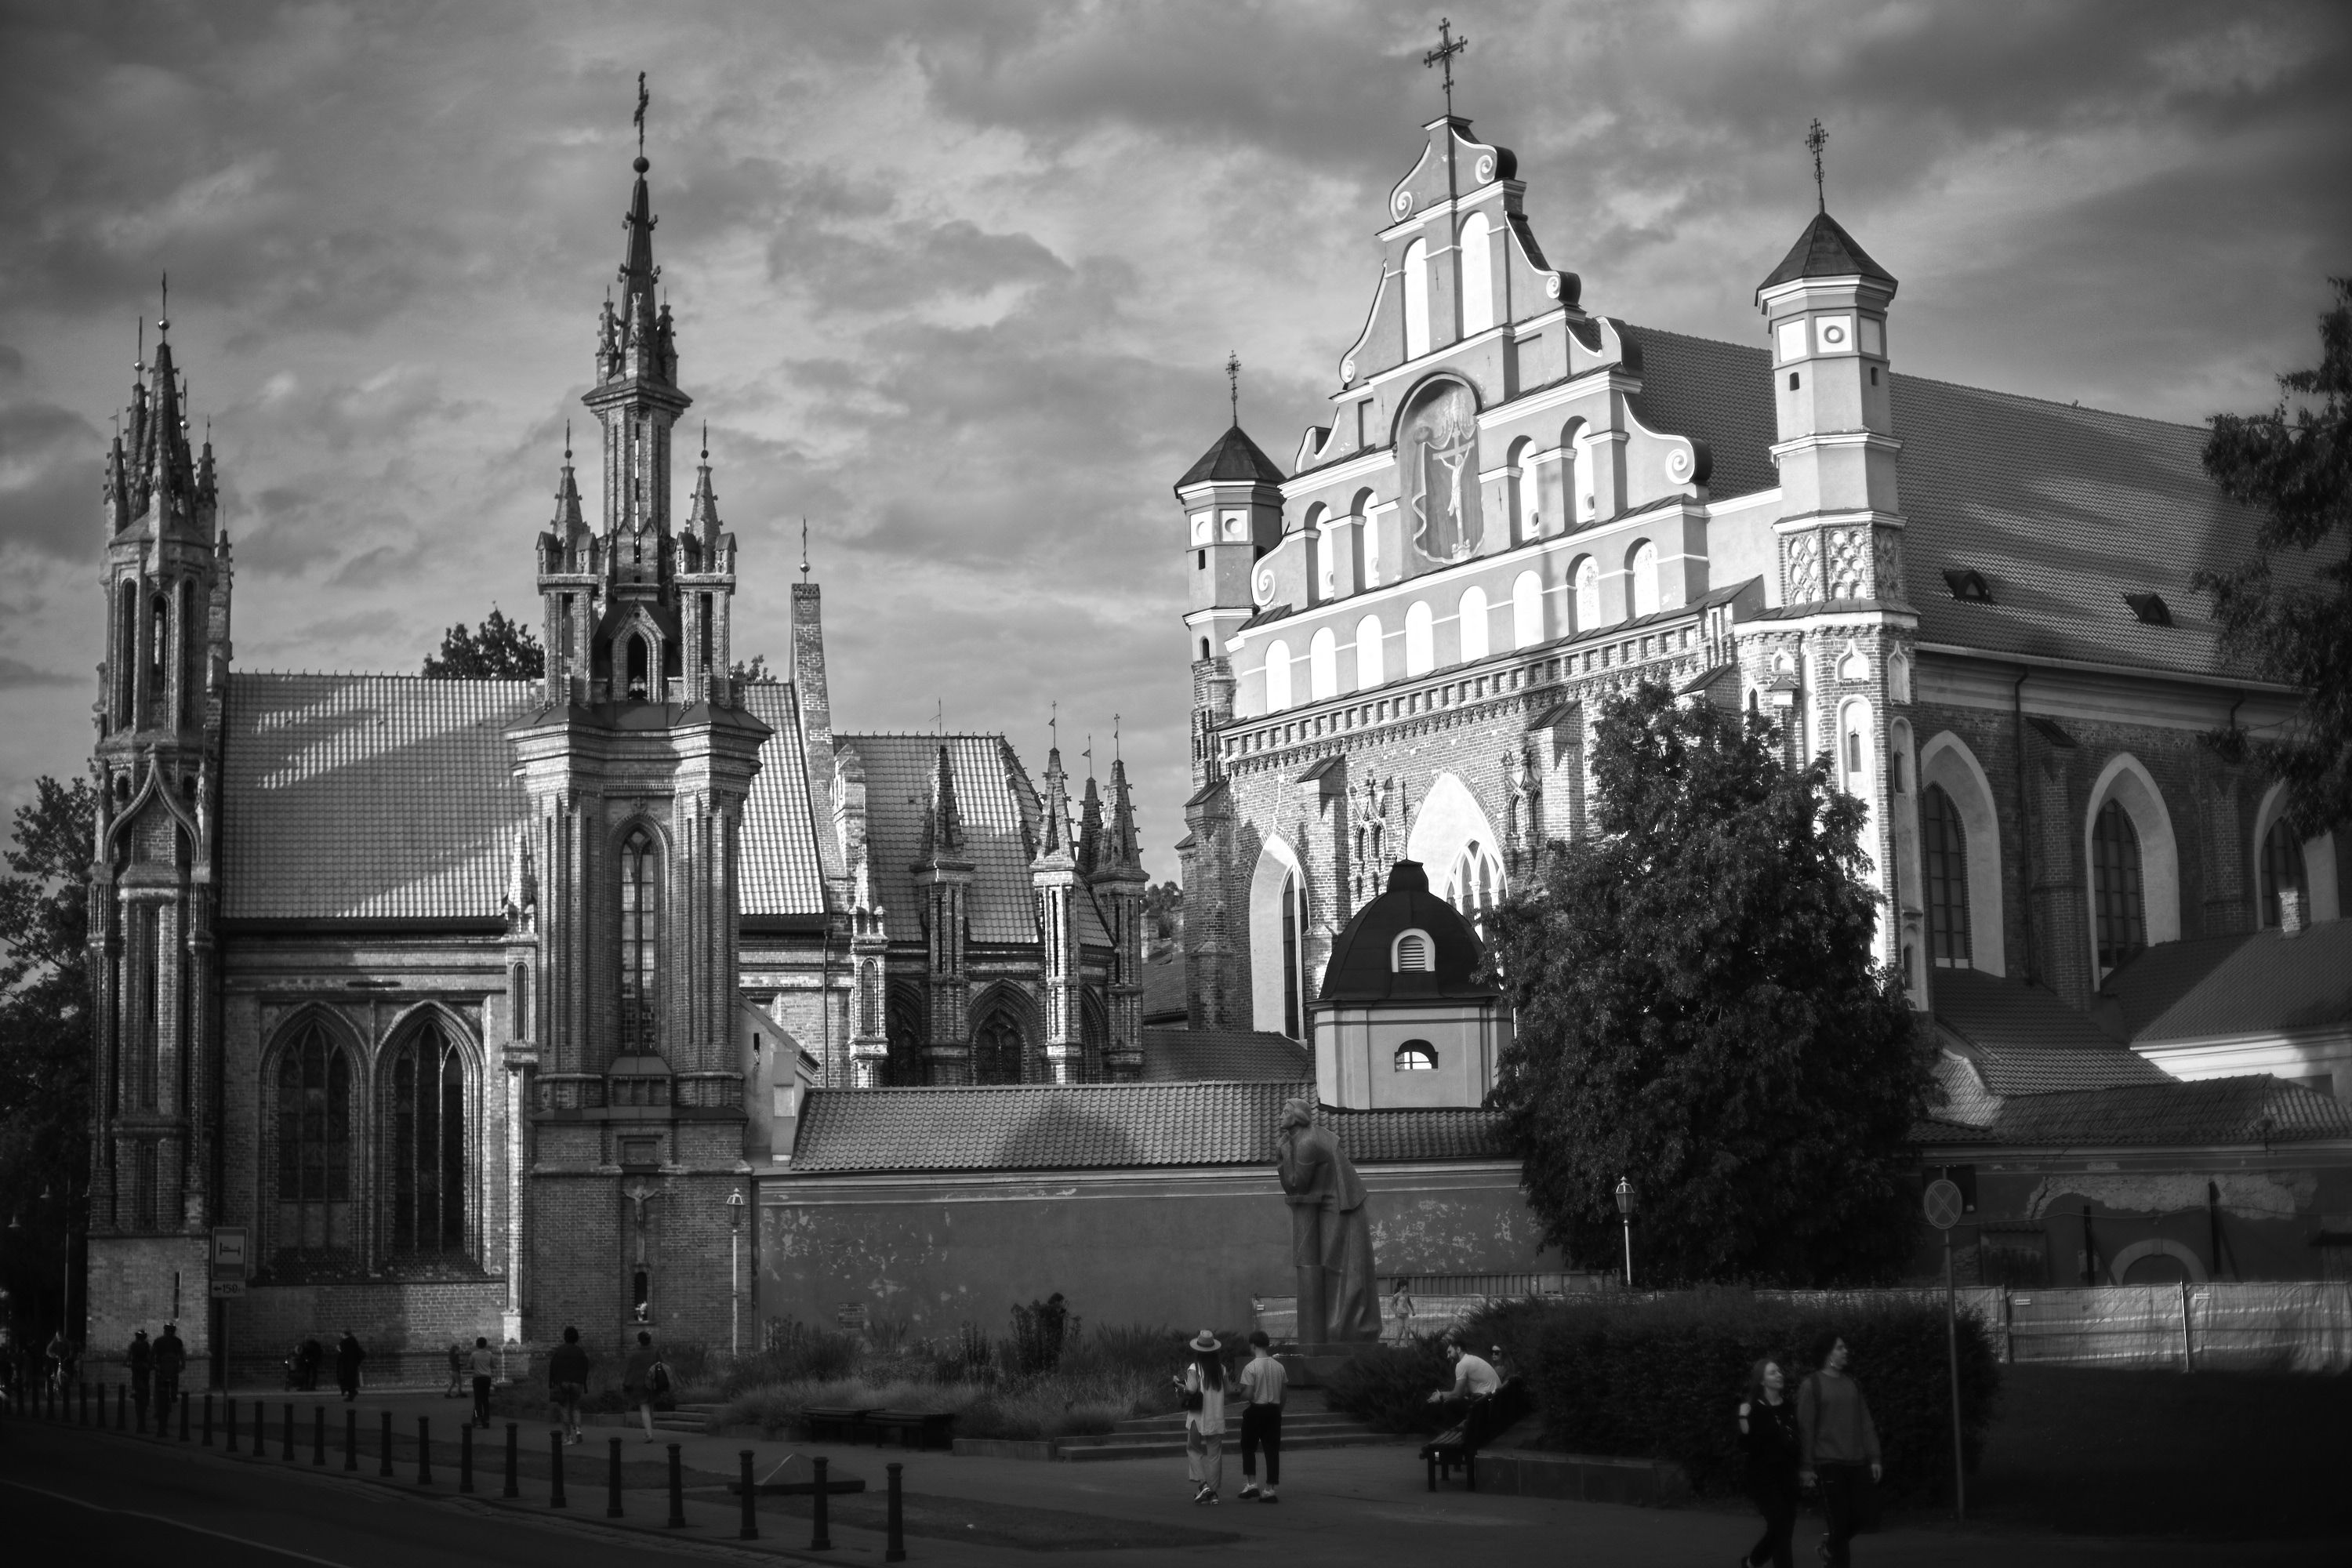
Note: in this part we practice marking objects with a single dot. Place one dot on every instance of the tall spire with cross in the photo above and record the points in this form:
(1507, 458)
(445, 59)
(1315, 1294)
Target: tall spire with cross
(1234, 383)
(1815, 140)
(1448, 46)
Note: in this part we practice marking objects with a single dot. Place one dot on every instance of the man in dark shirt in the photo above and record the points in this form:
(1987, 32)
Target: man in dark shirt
(141, 1356)
(171, 1359)
(348, 1356)
(567, 1382)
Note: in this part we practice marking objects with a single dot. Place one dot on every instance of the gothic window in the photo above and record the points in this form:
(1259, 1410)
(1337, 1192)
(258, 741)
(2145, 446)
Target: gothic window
(1642, 566)
(1527, 611)
(1369, 673)
(1477, 883)
(1472, 622)
(1478, 276)
(143, 1190)
(2116, 886)
(179, 714)
(1420, 639)
(638, 660)
(126, 654)
(1944, 844)
(1416, 1055)
(903, 1021)
(1587, 577)
(314, 1145)
(2282, 872)
(1416, 299)
(997, 1049)
(640, 939)
(1291, 1021)
(159, 644)
(424, 1148)
(702, 625)
(693, 550)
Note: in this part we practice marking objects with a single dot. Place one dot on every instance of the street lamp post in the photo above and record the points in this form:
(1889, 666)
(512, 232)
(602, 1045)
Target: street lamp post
(735, 1272)
(1625, 1218)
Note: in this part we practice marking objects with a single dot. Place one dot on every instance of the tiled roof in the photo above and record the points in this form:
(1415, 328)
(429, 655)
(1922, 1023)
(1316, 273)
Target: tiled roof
(1223, 1055)
(1163, 984)
(2227, 1111)
(2062, 509)
(2248, 984)
(1362, 966)
(780, 873)
(1234, 457)
(1824, 251)
(1042, 1127)
(995, 800)
(2022, 1039)
(368, 796)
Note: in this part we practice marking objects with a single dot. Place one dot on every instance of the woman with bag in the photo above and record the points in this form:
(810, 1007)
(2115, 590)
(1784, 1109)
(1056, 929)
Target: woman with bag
(1767, 1431)
(1204, 1417)
(1837, 1444)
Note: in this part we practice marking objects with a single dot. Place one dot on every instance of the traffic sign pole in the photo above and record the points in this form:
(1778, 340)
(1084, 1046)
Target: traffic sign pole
(1943, 1205)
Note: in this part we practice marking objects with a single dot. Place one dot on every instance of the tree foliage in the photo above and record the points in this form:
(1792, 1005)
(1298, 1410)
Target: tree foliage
(755, 673)
(1697, 1011)
(2287, 609)
(45, 1044)
(500, 650)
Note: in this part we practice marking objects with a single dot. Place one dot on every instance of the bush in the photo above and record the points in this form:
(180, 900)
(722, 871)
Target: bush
(1660, 1377)
(795, 1352)
(1145, 1351)
(1387, 1387)
(1039, 1330)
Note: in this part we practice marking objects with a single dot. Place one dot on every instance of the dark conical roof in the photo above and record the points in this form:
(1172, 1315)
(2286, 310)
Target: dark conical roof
(1234, 457)
(1360, 970)
(1824, 251)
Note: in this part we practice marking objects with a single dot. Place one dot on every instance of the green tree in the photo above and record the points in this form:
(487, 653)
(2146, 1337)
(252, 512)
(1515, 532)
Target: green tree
(2287, 609)
(45, 1046)
(501, 649)
(755, 673)
(1697, 1012)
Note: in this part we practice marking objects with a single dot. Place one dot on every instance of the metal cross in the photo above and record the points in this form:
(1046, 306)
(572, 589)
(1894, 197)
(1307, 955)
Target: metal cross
(1234, 383)
(1816, 138)
(804, 550)
(644, 98)
(1448, 47)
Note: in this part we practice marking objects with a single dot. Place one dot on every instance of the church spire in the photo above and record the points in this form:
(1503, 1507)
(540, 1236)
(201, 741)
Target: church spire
(942, 818)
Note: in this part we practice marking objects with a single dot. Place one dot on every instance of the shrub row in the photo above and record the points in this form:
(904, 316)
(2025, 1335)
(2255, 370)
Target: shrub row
(1387, 1387)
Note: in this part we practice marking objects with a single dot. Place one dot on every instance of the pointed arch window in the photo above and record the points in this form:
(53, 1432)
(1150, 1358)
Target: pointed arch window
(159, 648)
(640, 939)
(997, 1049)
(426, 1152)
(1291, 1020)
(314, 1145)
(2282, 872)
(2116, 886)
(126, 657)
(1478, 884)
(1944, 846)
(639, 661)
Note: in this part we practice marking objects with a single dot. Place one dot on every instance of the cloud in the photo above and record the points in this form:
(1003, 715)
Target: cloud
(50, 479)
(16, 673)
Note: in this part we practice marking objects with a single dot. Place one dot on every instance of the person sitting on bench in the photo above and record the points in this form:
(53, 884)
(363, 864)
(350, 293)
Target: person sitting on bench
(1474, 1379)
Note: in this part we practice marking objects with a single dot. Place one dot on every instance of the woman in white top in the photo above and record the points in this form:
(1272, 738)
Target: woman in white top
(1204, 1417)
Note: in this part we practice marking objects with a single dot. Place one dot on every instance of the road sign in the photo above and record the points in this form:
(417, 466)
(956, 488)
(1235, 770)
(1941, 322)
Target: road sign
(1943, 1203)
(229, 1249)
(225, 1285)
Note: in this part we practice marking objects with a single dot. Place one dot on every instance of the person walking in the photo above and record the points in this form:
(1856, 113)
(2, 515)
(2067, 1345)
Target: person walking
(1768, 1432)
(307, 1360)
(645, 1380)
(456, 1389)
(567, 1382)
(141, 1357)
(1261, 1381)
(60, 1356)
(1836, 1443)
(1204, 1417)
(349, 1353)
(171, 1359)
(484, 1364)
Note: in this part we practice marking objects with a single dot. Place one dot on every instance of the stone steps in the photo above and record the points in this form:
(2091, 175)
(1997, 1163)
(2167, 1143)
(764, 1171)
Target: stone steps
(1149, 1446)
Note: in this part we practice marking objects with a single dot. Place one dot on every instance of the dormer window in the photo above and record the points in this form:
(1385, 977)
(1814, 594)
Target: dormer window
(1412, 953)
(2151, 608)
(1968, 585)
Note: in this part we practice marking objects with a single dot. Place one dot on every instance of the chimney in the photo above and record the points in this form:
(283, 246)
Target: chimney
(2290, 911)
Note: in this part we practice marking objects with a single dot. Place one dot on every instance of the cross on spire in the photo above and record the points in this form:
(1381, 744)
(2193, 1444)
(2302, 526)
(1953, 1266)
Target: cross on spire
(1816, 138)
(804, 549)
(1234, 384)
(644, 98)
(1448, 46)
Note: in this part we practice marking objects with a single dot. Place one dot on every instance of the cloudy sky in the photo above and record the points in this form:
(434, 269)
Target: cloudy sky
(955, 279)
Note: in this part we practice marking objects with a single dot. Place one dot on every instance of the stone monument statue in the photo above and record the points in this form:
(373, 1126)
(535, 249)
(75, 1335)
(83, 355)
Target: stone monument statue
(1330, 1232)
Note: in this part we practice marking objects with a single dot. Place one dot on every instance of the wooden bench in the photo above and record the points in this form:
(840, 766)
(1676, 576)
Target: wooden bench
(846, 1420)
(916, 1428)
(1457, 1448)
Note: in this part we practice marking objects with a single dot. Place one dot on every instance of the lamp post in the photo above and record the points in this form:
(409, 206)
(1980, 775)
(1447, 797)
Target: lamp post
(735, 1272)
(1625, 1218)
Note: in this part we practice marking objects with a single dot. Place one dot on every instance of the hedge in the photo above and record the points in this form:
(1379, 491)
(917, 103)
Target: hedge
(1660, 1377)
(1387, 1387)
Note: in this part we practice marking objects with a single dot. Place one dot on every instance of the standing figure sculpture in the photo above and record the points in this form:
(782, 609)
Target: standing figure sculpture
(1330, 1232)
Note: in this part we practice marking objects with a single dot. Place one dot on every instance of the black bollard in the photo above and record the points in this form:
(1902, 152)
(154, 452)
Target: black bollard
(229, 1426)
(289, 1434)
(319, 1434)
(424, 1451)
(121, 1409)
(613, 1482)
(513, 1448)
(85, 1405)
(350, 1438)
(261, 1429)
(555, 1454)
(750, 1529)
(383, 1463)
(183, 1416)
(894, 1549)
(820, 1537)
(465, 1455)
(676, 1492)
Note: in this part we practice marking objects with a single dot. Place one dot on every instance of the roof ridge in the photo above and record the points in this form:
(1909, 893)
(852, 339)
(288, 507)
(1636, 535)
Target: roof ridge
(388, 675)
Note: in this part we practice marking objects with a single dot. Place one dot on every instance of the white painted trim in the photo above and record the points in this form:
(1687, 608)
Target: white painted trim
(1945, 762)
(2156, 1247)
(1277, 863)
(1428, 950)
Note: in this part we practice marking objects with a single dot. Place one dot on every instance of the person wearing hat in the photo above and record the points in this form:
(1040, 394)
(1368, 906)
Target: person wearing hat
(1204, 1384)
(141, 1356)
(171, 1359)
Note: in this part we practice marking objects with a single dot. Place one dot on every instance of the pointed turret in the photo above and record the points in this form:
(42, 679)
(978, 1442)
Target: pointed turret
(1059, 839)
(942, 818)
(1090, 826)
(1054, 876)
(1119, 849)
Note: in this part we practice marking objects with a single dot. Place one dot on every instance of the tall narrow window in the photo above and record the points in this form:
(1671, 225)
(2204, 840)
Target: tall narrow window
(143, 1009)
(2282, 872)
(1478, 276)
(1420, 639)
(159, 663)
(637, 663)
(314, 1145)
(425, 1151)
(142, 1191)
(1416, 299)
(126, 657)
(1323, 665)
(2116, 886)
(1290, 958)
(1642, 567)
(1944, 844)
(702, 626)
(1526, 610)
(185, 664)
(1368, 672)
(996, 1050)
(1471, 623)
(640, 940)
(1588, 594)
(1277, 676)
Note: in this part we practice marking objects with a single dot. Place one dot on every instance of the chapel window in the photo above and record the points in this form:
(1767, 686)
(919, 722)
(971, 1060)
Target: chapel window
(425, 1151)
(2282, 870)
(1944, 844)
(314, 1145)
(996, 1049)
(2117, 892)
(638, 659)
(1290, 976)
(640, 940)
(1416, 1055)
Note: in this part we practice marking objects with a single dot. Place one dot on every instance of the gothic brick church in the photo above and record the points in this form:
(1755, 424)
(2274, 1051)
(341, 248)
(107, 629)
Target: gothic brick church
(477, 1002)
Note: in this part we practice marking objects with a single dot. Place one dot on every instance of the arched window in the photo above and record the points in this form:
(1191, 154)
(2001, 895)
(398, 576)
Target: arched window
(1472, 624)
(639, 656)
(1478, 276)
(1412, 953)
(1856, 749)
(1642, 567)
(314, 1145)
(1526, 610)
(126, 657)
(187, 675)
(1420, 639)
(2283, 872)
(1314, 533)
(1587, 577)
(1477, 881)
(425, 1146)
(1205, 647)
(1526, 513)
(1323, 665)
(1368, 672)
(1416, 299)
(158, 650)
(641, 903)
(2116, 886)
(693, 551)
(1575, 506)
(1944, 846)
(997, 1050)
(1291, 1021)
(1416, 1055)
(902, 1014)
(1277, 676)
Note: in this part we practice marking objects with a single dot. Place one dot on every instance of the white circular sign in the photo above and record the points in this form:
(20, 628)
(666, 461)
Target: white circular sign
(1942, 1204)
